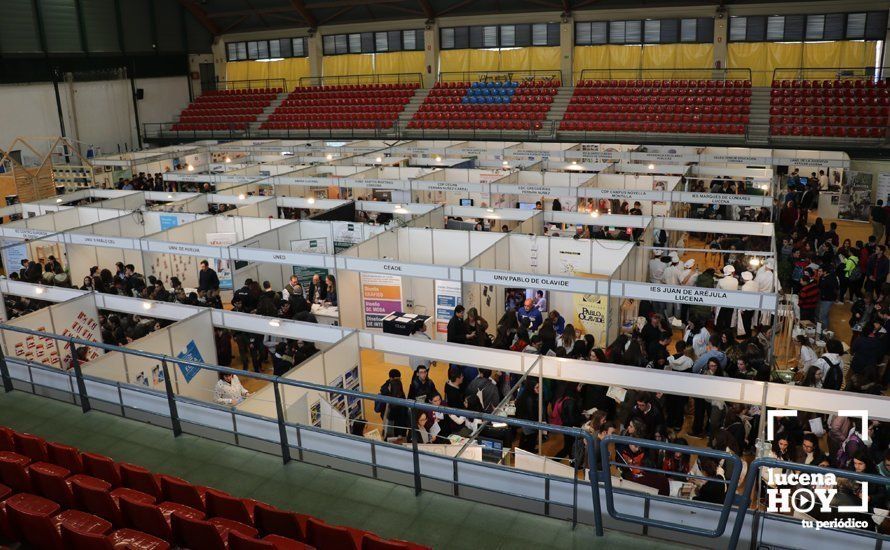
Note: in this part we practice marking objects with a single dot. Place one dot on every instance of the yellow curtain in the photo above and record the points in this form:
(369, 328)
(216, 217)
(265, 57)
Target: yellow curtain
(857, 54)
(626, 59)
(513, 59)
(237, 70)
(590, 57)
(822, 55)
(694, 56)
(547, 58)
(659, 57)
(453, 61)
(784, 56)
(484, 60)
(399, 62)
(290, 69)
(750, 55)
(347, 64)
(518, 59)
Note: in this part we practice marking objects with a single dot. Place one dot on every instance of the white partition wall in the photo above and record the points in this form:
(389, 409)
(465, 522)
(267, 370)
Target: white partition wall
(76, 318)
(402, 268)
(339, 367)
(191, 339)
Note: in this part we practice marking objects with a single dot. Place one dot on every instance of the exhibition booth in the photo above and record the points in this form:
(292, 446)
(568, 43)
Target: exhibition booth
(410, 269)
(105, 243)
(111, 168)
(562, 274)
(190, 338)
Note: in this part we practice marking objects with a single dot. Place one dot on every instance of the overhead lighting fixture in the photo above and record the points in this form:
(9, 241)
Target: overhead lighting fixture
(574, 163)
(169, 196)
(438, 159)
(505, 163)
(311, 200)
(755, 261)
(228, 160)
(274, 323)
(146, 305)
(397, 206)
(378, 159)
(651, 167)
(58, 201)
(189, 167)
(38, 290)
(329, 156)
(490, 210)
(595, 214)
(241, 197)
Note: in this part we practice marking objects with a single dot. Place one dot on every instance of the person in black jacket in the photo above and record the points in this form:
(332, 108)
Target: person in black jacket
(318, 290)
(421, 385)
(711, 491)
(868, 350)
(207, 279)
(527, 409)
(457, 332)
(570, 415)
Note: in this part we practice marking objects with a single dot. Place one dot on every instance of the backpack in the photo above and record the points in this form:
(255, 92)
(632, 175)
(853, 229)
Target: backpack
(855, 274)
(556, 413)
(833, 377)
(797, 272)
(848, 448)
(380, 406)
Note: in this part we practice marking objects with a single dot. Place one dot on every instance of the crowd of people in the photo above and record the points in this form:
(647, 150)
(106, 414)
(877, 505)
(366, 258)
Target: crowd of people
(815, 268)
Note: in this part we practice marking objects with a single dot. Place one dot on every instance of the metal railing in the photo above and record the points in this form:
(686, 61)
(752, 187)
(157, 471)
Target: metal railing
(89, 391)
(501, 76)
(384, 78)
(665, 74)
(251, 84)
(831, 73)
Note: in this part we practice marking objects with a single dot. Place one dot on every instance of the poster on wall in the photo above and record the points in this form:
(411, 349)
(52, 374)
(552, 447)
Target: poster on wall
(855, 203)
(190, 353)
(13, 254)
(313, 246)
(448, 295)
(168, 221)
(223, 267)
(590, 315)
(883, 187)
(346, 235)
(381, 295)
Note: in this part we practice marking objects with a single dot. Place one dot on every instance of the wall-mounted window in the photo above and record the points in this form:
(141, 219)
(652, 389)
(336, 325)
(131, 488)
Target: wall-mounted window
(870, 25)
(373, 42)
(648, 31)
(499, 36)
(266, 49)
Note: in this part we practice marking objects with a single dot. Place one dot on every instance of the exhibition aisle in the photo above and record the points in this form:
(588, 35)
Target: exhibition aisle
(391, 510)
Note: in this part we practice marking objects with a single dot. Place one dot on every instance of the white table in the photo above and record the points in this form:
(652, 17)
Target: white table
(326, 315)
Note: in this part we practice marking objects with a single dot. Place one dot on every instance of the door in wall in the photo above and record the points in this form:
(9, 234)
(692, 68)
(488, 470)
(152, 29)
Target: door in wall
(208, 77)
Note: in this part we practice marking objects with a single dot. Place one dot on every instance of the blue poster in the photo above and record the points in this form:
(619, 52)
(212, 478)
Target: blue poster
(190, 353)
(13, 255)
(168, 221)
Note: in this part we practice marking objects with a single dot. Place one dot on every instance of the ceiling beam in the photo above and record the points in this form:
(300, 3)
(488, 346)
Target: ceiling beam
(428, 9)
(403, 9)
(455, 7)
(259, 15)
(304, 12)
(199, 14)
(336, 14)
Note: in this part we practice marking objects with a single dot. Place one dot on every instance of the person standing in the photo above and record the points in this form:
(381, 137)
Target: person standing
(671, 277)
(207, 278)
(727, 282)
(808, 299)
(746, 315)
(878, 218)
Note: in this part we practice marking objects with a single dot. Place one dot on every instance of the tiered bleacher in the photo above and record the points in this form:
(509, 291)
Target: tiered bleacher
(53, 496)
(364, 106)
(225, 109)
(506, 105)
(848, 108)
(659, 106)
